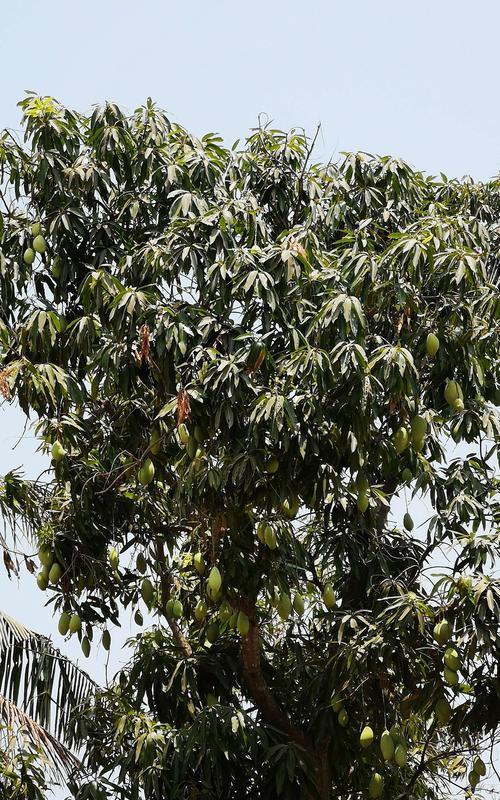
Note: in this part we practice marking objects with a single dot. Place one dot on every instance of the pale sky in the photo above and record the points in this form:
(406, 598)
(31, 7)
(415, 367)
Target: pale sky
(418, 80)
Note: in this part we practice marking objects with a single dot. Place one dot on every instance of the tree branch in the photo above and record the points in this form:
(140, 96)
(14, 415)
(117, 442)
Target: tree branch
(165, 585)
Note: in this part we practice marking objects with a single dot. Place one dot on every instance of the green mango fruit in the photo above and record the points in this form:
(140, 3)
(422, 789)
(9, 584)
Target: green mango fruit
(177, 609)
(147, 591)
(474, 779)
(431, 344)
(366, 737)
(233, 620)
(183, 433)
(479, 767)
(284, 606)
(400, 755)
(343, 718)
(225, 612)
(387, 746)
(298, 604)
(212, 632)
(46, 556)
(401, 439)
(39, 244)
(85, 647)
(63, 624)
(270, 538)
(36, 229)
(290, 507)
(443, 711)
(55, 573)
(362, 503)
(418, 443)
(272, 465)
(329, 598)
(442, 632)
(155, 441)
(200, 611)
(146, 472)
(29, 256)
(75, 624)
(458, 404)
(169, 607)
(106, 639)
(211, 700)
(418, 427)
(376, 785)
(58, 452)
(192, 447)
(140, 563)
(138, 618)
(450, 676)
(214, 579)
(56, 269)
(114, 558)
(243, 624)
(451, 659)
(199, 563)
(406, 475)
(42, 581)
(361, 483)
(452, 392)
(408, 522)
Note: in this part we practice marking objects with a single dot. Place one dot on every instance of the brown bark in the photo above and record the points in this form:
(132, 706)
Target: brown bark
(273, 714)
(165, 585)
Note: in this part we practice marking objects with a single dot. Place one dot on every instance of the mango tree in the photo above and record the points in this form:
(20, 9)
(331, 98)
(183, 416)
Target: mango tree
(236, 360)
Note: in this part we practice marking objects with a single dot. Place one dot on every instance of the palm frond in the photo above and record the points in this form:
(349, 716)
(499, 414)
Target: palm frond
(40, 680)
(59, 759)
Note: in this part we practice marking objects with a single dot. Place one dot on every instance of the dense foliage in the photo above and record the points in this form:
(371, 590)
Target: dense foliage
(236, 359)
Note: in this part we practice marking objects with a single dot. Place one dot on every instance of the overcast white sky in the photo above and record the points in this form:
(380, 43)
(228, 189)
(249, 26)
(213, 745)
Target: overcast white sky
(418, 80)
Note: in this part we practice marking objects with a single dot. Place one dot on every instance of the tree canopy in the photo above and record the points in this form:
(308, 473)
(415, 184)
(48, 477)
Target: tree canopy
(236, 359)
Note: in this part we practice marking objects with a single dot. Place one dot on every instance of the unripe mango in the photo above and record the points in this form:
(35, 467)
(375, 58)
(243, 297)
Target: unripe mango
(63, 624)
(85, 647)
(400, 756)
(284, 606)
(298, 604)
(46, 556)
(366, 737)
(29, 256)
(432, 344)
(39, 244)
(75, 624)
(443, 711)
(329, 598)
(58, 452)
(55, 573)
(452, 392)
(147, 591)
(408, 522)
(106, 639)
(479, 767)
(272, 465)
(200, 611)
(199, 563)
(387, 745)
(243, 624)
(450, 676)
(42, 581)
(401, 439)
(214, 579)
(146, 472)
(343, 718)
(376, 785)
(451, 659)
